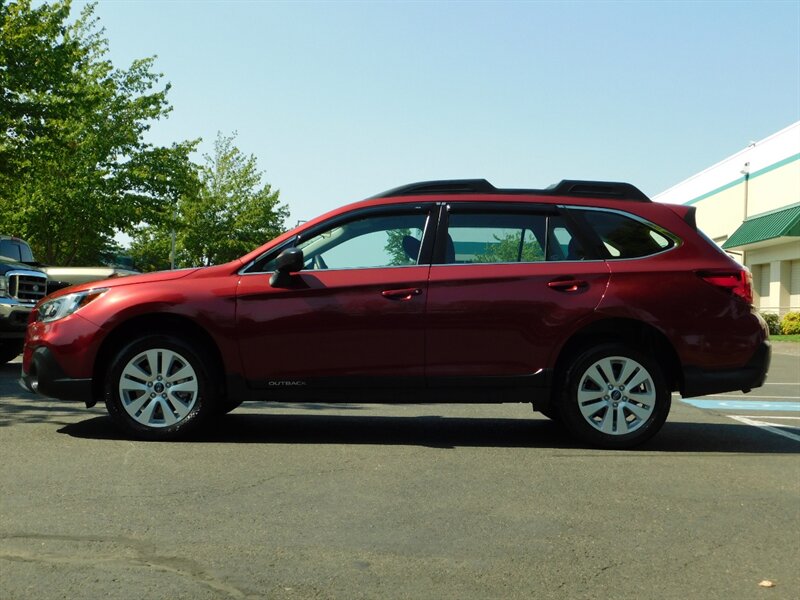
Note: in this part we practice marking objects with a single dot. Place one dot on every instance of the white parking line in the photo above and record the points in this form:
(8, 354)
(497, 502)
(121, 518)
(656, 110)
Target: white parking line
(767, 426)
(754, 396)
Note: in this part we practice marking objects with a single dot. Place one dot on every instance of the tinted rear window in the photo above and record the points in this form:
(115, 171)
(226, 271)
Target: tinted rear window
(478, 237)
(626, 237)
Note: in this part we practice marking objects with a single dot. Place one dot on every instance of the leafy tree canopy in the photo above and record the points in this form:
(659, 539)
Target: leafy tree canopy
(232, 212)
(74, 166)
(512, 247)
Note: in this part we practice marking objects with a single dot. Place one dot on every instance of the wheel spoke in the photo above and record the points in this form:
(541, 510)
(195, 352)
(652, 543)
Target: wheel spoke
(647, 398)
(641, 377)
(134, 406)
(146, 416)
(153, 361)
(595, 375)
(641, 413)
(180, 404)
(607, 425)
(189, 386)
(606, 367)
(133, 372)
(621, 425)
(185, 372)
(590, 396)
(590, 409)
(132, 385)
(166, 411)
(629, 367)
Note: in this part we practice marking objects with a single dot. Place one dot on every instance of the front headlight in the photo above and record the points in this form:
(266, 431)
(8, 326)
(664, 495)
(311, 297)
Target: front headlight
(61, 307)
(3, 284)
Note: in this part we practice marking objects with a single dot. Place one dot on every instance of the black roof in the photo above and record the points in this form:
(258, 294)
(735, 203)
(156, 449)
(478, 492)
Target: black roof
(568, 188)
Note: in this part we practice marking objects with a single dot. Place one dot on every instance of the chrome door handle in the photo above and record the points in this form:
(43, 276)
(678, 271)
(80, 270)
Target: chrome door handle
(401, 294)
(567, 285)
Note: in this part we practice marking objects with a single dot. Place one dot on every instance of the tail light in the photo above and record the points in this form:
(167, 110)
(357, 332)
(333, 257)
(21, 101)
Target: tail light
(739, 282)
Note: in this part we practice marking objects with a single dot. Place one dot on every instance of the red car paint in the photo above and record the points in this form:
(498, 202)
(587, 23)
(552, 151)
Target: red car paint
(453, 331)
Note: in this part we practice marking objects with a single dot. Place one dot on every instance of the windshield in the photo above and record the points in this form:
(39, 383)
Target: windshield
(16, 250)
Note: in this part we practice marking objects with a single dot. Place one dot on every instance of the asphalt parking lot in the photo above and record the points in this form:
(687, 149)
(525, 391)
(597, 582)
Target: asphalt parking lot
(373, 501)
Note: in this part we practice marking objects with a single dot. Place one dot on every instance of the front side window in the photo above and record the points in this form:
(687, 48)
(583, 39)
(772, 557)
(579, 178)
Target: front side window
(393, 240)
(508, 238)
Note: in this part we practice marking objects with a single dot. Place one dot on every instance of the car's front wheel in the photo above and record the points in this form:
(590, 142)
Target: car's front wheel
(159, 387)
(614, 397)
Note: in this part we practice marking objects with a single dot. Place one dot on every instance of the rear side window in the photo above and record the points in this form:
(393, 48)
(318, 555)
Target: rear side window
(626, 237)
(485, 237)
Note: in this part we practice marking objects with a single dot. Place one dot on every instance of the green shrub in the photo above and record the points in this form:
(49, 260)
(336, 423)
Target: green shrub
(773, 323)
(790, 324)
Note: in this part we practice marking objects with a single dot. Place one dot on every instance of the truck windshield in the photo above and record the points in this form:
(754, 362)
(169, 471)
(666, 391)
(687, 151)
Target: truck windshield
(16, 250)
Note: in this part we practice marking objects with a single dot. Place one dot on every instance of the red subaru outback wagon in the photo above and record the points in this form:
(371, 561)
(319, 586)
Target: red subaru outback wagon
(586, 299)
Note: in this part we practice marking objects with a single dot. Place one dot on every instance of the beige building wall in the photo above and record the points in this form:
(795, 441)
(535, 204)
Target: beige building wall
(762, 178)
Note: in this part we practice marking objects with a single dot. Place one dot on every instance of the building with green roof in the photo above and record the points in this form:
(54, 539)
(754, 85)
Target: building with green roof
(749, 204)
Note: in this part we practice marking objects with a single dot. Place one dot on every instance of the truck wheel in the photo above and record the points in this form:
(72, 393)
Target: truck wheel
(10, 350)
(614, 397)
(159, 387)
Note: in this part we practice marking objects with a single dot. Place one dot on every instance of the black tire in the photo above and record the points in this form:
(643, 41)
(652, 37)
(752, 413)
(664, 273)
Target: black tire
(10, 350)
(223, 408)
(141, 387)
(552, 412)
(614, 397)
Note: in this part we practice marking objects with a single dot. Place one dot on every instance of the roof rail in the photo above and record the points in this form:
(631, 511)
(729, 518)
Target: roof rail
(444, 186)
(567, 187)
(598, 189)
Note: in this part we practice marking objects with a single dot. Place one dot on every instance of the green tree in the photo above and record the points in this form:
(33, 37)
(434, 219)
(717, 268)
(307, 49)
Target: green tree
(394, 246)
(231, 213)
(74, 166)
(511, 247)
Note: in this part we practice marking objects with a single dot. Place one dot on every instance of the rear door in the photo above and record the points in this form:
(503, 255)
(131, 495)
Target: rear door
(513, 281)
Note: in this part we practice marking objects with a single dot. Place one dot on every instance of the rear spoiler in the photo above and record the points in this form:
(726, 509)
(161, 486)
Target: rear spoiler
(687, 213)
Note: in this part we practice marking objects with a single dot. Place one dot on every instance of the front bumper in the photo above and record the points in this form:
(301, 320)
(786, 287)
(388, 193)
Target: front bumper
(702, 382)
(13, 319)
(45, 376)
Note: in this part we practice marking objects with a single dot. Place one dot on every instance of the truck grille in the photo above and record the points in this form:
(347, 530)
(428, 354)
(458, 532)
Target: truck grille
(27, 287)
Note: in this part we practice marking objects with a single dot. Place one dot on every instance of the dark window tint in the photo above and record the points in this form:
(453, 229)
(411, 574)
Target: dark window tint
(477, 237)
(624, 237)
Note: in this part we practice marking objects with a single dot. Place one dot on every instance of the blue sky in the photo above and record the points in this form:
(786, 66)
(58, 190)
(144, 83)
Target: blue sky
(341, 100)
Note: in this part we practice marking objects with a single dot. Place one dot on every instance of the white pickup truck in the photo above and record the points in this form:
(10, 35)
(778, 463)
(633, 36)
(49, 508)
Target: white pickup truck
(23, 282)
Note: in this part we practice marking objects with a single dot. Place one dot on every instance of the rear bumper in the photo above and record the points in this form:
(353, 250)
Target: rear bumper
(701, 382)
(45, 376)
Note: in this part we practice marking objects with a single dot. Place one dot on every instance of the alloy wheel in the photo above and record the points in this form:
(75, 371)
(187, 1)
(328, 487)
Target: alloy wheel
(616, 395)
(158, 387)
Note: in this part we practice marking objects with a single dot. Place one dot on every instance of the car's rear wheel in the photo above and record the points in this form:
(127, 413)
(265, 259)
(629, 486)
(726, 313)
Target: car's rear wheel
(614, 397)
(159, 387)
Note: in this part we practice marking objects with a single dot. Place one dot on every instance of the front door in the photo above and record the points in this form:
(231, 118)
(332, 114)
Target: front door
(353, 317)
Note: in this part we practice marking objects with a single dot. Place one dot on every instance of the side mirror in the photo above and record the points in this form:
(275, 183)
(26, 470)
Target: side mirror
(289, 261)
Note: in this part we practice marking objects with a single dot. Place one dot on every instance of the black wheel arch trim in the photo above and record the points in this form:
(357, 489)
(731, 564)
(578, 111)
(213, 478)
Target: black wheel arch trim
(46, 377)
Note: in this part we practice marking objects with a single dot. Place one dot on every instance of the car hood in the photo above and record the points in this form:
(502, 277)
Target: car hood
(7, 264)
(128, 280)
